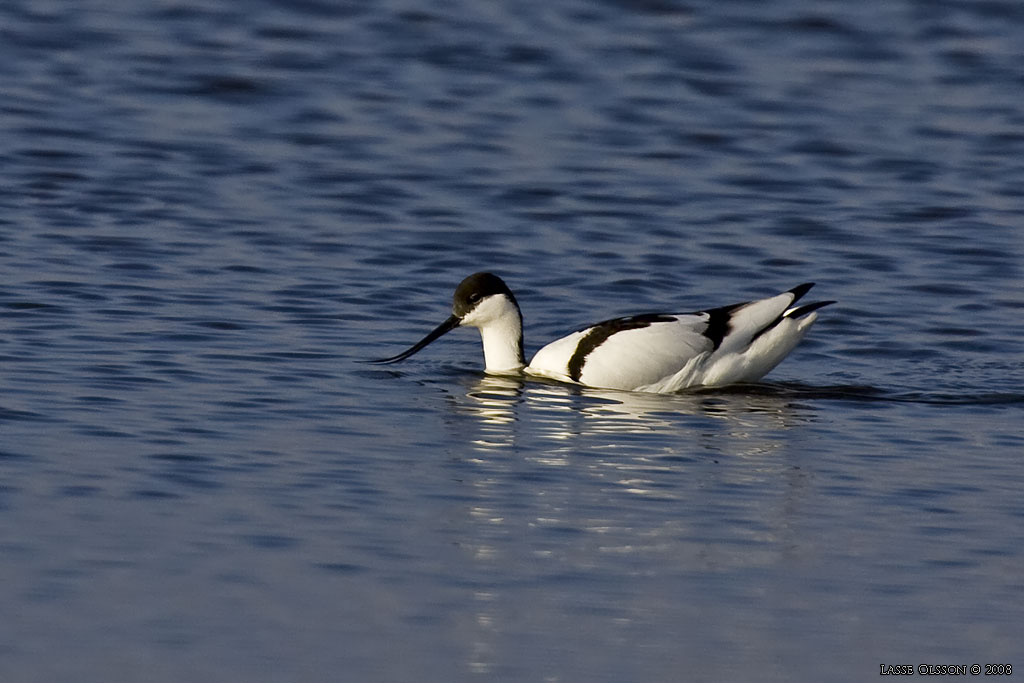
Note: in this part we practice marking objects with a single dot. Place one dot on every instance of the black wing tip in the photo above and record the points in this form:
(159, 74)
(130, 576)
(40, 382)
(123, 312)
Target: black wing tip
(800, 290)
(807, 308)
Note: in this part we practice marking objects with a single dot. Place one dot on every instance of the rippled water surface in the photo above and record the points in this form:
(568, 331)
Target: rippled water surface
(211, 210)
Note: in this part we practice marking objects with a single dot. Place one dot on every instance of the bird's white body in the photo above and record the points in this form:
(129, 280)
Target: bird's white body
(658, 353)
(669, 356)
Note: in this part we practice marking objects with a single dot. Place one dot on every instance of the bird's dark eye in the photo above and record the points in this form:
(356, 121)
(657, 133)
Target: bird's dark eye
(475, 296)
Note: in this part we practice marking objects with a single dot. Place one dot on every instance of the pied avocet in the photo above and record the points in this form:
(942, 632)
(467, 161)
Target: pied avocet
(653, 352)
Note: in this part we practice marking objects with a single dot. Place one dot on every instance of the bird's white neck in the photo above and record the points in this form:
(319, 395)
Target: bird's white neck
(503, 344)
(501, 329)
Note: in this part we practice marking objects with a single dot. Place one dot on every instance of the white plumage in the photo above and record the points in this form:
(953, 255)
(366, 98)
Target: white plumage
(654, 352)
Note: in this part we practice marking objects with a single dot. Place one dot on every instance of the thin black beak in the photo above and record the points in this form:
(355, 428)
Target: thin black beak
(445, 327)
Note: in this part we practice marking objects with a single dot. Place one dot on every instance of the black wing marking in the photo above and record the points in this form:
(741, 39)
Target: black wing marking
(719, 323)
(720, 319)
(799, 291)
(600, 333)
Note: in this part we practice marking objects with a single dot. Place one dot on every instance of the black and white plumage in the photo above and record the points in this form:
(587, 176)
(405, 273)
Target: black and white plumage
(654, 352)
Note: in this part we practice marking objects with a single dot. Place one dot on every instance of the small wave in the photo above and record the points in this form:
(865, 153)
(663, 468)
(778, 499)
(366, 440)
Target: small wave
(866, 393)
(11, 414)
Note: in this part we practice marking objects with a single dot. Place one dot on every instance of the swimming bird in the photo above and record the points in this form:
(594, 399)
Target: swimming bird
(653, 352)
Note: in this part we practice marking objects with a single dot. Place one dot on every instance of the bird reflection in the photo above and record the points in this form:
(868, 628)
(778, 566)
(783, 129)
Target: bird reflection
(514, 412)
(561, 475)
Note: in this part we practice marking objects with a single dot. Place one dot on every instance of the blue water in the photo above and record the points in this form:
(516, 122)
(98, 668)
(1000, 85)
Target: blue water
(209, 210)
